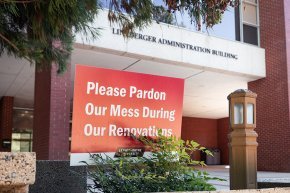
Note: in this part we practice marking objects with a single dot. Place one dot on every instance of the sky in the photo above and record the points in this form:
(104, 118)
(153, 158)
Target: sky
(226, 29)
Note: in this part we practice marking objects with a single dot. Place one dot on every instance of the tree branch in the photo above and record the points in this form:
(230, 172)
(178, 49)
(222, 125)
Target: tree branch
(14, 46)
(9, 42)
(11, 1)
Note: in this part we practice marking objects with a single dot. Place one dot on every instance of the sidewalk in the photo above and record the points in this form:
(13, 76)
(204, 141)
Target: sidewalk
(222, 171)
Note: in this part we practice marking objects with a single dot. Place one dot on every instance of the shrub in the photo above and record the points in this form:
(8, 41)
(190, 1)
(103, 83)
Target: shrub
(168, 168)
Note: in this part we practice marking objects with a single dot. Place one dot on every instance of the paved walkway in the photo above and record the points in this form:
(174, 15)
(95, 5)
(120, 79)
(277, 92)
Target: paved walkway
(222, 171)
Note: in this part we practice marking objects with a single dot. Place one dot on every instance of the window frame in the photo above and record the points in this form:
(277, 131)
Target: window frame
(242, 22)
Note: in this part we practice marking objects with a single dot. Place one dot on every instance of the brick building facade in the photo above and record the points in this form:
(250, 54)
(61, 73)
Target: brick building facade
(6, 116)
(273, 107)
(52, 114)
(52, 103)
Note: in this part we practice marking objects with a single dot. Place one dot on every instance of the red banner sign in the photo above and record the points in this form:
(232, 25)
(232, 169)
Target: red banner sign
(110, 106)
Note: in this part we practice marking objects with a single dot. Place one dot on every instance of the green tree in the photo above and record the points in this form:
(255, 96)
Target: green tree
(42, 31)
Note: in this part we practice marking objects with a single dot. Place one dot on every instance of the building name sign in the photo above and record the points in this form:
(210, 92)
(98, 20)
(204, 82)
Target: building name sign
(177, 44)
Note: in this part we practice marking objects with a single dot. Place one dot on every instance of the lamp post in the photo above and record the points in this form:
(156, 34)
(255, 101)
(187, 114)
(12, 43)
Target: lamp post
(243, 140)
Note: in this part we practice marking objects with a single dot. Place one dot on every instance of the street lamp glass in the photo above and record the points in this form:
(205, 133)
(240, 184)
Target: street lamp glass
(238, 113)
(250, 113)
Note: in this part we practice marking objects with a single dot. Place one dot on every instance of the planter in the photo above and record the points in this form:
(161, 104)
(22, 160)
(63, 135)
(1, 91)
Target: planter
(17, 171)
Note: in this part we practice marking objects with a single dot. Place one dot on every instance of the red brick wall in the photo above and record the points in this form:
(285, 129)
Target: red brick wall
(273, 91)
(6, 120)
(41, 115)
(222, 135)
(51, 114)
(203, 131)
(287, 31)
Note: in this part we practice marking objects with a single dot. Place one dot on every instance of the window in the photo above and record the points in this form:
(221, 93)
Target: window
(21, 142)
(226, 29)
(22, 130)
(248, 22)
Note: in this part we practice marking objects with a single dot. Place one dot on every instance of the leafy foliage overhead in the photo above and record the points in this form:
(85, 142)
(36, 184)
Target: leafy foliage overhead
(42, 30)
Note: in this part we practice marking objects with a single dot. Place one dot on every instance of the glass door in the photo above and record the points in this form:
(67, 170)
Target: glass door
(21, 142)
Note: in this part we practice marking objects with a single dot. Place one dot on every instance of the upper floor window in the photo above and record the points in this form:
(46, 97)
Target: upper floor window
(241, 23)
(247, 25)
(225, 29)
